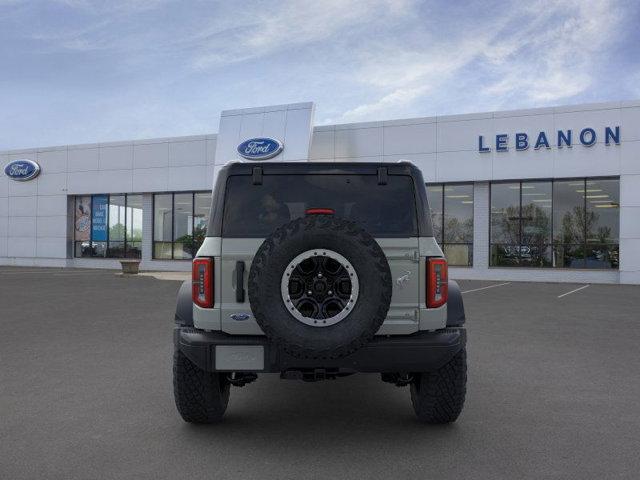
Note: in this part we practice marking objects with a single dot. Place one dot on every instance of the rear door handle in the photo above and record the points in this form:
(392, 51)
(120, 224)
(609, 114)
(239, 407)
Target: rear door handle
(240, 281)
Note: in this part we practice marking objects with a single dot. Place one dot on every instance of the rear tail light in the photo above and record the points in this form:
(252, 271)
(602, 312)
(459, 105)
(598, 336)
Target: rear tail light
(202, 286)
(437, 282)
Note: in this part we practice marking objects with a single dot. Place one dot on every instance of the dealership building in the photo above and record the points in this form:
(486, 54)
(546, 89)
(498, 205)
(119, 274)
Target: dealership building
(548, 194)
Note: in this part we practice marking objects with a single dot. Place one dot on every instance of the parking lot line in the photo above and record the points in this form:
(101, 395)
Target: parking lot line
(573, 291)
(484, 288)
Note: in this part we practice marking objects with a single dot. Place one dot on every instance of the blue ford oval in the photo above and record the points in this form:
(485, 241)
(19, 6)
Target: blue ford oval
(260, 148)
(22, 170)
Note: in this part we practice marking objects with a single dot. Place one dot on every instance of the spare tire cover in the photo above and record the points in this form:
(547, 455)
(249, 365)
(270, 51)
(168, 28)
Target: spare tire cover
(320, 287)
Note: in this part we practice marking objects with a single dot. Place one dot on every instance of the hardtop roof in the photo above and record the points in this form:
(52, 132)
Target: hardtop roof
(363, 168)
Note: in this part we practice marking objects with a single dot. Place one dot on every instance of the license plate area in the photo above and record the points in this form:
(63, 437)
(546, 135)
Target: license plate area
(237, 358)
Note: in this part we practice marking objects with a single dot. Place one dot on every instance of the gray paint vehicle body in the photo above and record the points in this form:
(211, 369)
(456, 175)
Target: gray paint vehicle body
(228, 342)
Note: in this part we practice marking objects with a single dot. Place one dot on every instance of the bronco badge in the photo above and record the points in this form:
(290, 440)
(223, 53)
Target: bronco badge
(401, 280)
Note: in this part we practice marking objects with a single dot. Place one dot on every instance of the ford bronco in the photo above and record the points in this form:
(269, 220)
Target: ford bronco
(317, 271)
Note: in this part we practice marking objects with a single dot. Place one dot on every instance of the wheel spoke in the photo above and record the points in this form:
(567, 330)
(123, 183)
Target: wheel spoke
(342, 287)
(297, 287)
(331, 307)
(308, 307)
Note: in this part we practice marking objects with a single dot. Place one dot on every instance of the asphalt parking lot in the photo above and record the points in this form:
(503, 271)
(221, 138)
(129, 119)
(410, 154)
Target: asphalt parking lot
(85, 392)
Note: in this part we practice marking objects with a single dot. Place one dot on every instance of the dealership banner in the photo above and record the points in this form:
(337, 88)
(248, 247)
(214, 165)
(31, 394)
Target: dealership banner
(83, 218)
(99, 218)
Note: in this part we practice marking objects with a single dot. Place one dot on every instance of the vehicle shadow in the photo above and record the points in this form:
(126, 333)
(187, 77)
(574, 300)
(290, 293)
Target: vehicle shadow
(358, 410)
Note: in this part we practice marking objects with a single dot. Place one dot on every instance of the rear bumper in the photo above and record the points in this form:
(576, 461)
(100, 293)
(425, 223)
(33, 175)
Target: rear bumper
(419, 352)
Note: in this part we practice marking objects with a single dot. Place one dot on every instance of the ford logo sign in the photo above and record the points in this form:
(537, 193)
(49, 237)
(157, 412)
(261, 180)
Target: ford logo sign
(22, 170)
(260, 148)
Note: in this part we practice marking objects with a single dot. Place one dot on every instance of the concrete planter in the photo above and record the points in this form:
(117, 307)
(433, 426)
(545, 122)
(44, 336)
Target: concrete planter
(130, 266)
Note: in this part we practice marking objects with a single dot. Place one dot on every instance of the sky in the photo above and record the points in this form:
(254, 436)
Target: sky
(78, 71)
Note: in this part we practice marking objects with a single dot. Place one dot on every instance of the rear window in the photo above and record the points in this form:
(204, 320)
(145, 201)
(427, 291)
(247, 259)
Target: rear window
(256, 210)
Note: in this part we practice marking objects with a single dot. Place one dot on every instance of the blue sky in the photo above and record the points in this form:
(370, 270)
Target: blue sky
(76, 71)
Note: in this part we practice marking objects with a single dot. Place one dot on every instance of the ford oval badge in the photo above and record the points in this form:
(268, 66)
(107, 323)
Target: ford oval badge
(22, 170)
(240, 317)
(260, 148)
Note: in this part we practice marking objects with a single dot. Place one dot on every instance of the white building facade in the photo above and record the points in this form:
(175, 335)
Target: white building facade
(550, 194)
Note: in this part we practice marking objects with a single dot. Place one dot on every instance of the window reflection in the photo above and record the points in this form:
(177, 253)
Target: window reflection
(134, 226)
(82, 226)
(180, 224)
(603, 211)
(505, 224)
(458, 214)
(117, 218)
(569, 223)
(603, 223)
(451, 208)
(505, 213)
(162, 225)
(434, 196)
(565, 223)
(108, 226)
(536, 201)
(201, 207)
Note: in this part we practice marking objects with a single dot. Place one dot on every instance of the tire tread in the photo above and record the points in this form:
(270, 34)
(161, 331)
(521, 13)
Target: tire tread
(438, 397)
(201, 397)
(309, 224)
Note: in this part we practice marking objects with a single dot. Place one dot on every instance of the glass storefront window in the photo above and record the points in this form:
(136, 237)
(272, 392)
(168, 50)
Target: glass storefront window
(82, 226)
(162, 225)
(434, 195)
(564, 223)
(180, 224)
(117, 219)
(603, 223)
(201, 207)
(505, 224)
(134, 226)
(603, 211)
(535, 240)
(108, 226)
(451, 208)
(569, 223)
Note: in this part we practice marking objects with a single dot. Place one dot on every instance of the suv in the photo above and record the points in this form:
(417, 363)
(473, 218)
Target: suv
(317, 271)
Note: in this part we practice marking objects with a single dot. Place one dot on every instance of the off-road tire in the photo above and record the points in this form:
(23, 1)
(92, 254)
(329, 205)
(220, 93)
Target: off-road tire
(201, 397)
(320, 232)
(438, 397)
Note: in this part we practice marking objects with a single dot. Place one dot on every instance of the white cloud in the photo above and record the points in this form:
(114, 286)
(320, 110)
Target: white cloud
(544, 52)
(161, 67)
(397, 98)
(556, 63)
(259, 32)
(112, 6)
(404, 77)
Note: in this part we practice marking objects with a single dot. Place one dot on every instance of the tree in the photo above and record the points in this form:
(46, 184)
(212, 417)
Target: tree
(116, 232)
(525, 232)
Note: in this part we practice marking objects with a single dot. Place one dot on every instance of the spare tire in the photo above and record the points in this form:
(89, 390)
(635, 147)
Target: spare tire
(320, 287)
